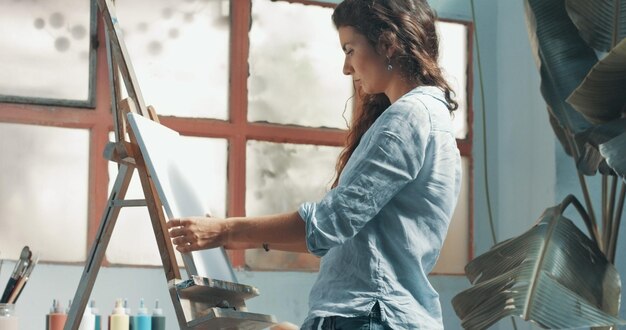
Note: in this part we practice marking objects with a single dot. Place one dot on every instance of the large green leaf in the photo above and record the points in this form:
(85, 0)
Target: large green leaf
(614, 151)
(560, 133)
(602, 95)
(596, 21)
(591, 159)
(564, 59)
(553, 275)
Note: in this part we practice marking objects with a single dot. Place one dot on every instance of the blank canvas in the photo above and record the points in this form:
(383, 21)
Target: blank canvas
(164, 152)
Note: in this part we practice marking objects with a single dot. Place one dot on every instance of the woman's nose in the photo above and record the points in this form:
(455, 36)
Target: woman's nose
(347, 67)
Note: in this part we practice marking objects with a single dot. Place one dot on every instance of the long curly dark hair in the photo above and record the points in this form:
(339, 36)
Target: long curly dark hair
(407, 27)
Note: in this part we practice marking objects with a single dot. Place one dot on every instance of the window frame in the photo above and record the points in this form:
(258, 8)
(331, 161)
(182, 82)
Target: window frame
(465, 145)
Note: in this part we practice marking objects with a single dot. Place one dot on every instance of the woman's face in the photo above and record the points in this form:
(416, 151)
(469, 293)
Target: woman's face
(367, 68)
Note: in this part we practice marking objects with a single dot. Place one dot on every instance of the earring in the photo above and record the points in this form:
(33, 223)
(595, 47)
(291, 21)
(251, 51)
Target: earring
(389, 66)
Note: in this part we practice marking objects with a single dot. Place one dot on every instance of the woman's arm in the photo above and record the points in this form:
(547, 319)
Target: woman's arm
(284, 232)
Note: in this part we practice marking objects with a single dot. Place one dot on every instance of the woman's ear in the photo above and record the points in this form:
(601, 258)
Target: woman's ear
(390, 52)
(386, 46)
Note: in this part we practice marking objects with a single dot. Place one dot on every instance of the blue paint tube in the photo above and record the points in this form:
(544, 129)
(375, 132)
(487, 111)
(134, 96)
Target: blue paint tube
(143, 320)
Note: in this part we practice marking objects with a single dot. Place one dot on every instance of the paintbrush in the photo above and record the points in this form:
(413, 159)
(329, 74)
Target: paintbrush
(19, 287)
(21, 264)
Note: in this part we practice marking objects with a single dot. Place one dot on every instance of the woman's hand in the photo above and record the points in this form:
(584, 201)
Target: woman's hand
(197, 233)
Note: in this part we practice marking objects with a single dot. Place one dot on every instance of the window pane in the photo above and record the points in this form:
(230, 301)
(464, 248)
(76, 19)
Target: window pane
(453, 58)
(454, 254)
(179, 50)
(45, 49)
(278, 178)
(296, 67)
(133, 228)
(43, 191)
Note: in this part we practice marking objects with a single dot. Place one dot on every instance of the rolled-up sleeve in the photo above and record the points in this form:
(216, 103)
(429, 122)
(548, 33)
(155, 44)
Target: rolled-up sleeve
(375, 173)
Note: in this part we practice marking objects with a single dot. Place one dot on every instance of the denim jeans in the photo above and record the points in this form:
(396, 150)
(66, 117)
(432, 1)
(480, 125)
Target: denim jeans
(367, 322)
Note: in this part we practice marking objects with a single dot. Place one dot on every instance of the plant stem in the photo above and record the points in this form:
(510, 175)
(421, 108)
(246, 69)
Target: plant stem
(611, 207)
(593, 224)
(617, 218)
(571, 199)
(605, 199)
(616, 14)
(612, 196)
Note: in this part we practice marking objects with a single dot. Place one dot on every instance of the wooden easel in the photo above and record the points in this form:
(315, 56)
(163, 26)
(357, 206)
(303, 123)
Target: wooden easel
(199, 303)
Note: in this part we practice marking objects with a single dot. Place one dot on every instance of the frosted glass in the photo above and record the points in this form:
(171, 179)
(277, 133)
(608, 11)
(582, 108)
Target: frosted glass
(43, 191)
(453, 59)
(44, 49)
(455, 252)
(134, 229)
(180, 53)
(278, 178)
(296, 67)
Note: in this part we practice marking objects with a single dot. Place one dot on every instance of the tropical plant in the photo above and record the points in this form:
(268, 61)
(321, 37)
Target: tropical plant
(554, 274)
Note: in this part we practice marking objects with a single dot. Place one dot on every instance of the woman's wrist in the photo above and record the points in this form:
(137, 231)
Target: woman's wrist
(237, 230)
(228, 229)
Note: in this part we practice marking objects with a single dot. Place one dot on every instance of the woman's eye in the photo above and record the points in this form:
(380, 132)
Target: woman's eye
(350, 52)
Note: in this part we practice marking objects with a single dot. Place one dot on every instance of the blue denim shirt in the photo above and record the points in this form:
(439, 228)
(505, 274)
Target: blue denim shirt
(380, 231)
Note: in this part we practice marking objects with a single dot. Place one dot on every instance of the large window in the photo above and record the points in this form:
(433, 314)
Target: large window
(256, 86)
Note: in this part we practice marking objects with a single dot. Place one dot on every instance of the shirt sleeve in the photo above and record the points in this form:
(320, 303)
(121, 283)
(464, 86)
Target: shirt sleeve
(375, 173)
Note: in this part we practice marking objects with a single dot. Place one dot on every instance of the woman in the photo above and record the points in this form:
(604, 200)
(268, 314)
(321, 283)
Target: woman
(380, 229)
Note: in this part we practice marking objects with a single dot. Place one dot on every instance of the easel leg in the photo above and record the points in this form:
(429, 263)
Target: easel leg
(98, 249)
(166, 249)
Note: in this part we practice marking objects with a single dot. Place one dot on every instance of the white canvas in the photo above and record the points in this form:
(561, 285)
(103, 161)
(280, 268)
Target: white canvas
(165, 154)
